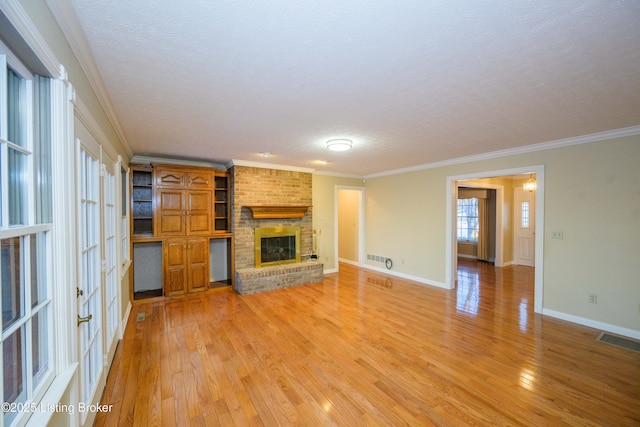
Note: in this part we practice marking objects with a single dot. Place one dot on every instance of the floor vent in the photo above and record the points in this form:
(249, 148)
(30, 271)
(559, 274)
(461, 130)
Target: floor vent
(140, 317)
(622, 342)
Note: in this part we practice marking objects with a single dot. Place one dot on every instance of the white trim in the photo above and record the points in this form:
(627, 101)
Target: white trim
(20, 20)
(361, 228)
(125, 319)
(566, 142)
(83, 114)
(338, 175)
(631, 333)
(53, 397)
(348, 261)
(150, 159)
(65, 16)
(451, 252)
(330, 271)
(417, 279)
(262, 165)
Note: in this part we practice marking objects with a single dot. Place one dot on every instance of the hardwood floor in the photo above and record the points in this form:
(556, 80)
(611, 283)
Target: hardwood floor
(363, 348)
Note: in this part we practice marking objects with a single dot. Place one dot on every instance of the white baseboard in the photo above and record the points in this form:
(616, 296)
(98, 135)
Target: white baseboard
(631, 333)
(419, 280)
(125, 319)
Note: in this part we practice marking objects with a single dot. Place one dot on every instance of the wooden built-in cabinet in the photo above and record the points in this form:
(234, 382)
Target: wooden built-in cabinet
(186, 266)
(183, 208)
(141, 191)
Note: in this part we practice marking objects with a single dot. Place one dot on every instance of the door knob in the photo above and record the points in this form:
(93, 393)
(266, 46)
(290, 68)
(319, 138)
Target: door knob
(84, 319)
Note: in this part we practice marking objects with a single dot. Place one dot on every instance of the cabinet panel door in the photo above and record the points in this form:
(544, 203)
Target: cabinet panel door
(170, 212)
(199, 220)
(200, 179)
(175, 273)
(198, 265)
(167, 177)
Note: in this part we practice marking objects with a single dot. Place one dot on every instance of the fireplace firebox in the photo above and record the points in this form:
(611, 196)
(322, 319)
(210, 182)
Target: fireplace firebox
(279, 245)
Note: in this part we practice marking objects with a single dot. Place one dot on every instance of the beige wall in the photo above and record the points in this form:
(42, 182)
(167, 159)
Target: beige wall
(592, 194)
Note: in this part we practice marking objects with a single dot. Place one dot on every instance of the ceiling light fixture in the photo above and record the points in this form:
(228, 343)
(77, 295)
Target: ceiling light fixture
(530, 185)
(339, 144)
(265, 154)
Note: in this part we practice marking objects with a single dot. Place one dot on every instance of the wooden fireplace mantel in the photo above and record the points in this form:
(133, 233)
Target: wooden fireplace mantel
(263, 212)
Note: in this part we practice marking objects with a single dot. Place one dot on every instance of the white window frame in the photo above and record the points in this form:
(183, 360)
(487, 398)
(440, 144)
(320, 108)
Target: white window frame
(32, 394)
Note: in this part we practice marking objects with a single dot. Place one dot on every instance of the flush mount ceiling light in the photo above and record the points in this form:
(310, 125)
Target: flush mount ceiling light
(339, 144)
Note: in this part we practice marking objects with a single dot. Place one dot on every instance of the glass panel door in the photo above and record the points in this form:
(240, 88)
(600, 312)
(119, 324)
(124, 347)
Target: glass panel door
(89, 289)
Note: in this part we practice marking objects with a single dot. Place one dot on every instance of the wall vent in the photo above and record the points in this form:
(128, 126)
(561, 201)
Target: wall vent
(618, 341)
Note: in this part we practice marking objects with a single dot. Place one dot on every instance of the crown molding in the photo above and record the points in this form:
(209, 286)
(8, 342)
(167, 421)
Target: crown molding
(338, 174)
(262, 165)
(15, 13)
(150, 159)
(66, 18)
(566, 142)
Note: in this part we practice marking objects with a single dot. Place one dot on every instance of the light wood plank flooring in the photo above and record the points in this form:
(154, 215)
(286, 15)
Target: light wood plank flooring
(364, 348)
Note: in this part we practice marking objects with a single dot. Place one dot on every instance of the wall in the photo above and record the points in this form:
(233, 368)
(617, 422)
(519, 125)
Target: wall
(324, 215)
(252, 186)
(592, 193)
(65, 389)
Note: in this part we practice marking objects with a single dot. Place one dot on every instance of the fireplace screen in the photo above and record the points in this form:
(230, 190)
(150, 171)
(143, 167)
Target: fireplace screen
(278, 245)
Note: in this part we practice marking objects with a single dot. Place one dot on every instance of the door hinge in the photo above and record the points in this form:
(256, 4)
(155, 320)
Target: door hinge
(103, 169)
(104, 265)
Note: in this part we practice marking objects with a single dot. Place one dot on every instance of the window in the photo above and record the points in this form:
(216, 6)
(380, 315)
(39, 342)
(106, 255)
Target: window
(468, 220)
(524, 210)
(25, 234)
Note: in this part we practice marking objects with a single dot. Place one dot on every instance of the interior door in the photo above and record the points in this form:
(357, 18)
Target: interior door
(109, 259)
(89, 291)
(524, 223)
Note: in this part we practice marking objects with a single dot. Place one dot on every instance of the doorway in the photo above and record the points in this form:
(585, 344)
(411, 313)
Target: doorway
(350, 225)
(451, 224)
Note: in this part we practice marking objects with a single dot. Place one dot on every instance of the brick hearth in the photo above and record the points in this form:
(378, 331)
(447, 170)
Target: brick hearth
(251, 280)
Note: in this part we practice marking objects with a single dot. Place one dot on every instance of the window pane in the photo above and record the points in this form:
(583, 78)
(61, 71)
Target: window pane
(13, 378)
(17, 188)
(13, 365)
(524, 220)
(42, 149)
(468, 219)
(12, 295)
(38, 267)
(39, 345)
(16, 108)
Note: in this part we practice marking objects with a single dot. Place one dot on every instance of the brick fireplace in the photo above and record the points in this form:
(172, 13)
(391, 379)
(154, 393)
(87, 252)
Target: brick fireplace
(255, 187)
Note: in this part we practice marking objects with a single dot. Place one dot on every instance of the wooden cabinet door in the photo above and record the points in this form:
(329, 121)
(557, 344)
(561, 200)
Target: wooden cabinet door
(200, 179)
(170, 212)
(170, 177)
(199, 221)
(198, 265)
(174, 263)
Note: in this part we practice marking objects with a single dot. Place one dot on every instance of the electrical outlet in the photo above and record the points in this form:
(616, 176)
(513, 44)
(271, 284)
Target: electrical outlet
(557, 234)
(592, 299)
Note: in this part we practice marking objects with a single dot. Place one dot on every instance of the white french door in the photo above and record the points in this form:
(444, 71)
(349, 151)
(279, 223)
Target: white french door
(89, 292)
(110, 219)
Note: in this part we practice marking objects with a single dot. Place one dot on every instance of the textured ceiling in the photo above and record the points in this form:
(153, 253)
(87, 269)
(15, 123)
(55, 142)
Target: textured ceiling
(411, 82)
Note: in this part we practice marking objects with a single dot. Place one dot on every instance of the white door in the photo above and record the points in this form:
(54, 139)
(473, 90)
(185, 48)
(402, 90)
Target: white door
(109, 221)
(89, 291)
(524, 227)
